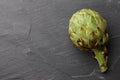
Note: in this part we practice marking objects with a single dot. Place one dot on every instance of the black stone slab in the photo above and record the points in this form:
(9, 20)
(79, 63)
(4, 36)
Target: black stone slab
(34, 41)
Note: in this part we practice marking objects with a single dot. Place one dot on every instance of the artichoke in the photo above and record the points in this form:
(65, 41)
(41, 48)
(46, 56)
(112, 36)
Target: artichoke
(87, 30)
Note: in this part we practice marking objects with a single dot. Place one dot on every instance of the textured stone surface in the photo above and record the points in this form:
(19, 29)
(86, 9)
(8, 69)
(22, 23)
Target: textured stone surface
(34, 42)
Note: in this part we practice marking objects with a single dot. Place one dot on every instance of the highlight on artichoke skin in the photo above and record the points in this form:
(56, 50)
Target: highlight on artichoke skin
(87, 30)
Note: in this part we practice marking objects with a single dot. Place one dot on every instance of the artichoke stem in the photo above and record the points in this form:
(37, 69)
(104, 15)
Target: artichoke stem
(101, 59)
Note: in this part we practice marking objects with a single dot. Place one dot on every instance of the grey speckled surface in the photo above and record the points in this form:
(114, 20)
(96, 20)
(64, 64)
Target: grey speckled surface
(34, 42)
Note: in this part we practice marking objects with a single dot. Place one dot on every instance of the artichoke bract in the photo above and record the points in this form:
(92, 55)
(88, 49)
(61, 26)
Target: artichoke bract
(88, 31)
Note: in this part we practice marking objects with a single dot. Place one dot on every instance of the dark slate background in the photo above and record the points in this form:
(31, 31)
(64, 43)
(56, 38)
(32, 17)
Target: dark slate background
(34, 42)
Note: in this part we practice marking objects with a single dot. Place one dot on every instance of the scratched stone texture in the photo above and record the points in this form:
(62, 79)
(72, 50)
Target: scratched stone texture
(34, 41)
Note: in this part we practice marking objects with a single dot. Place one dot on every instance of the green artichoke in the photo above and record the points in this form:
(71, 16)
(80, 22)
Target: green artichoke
(87, 30)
